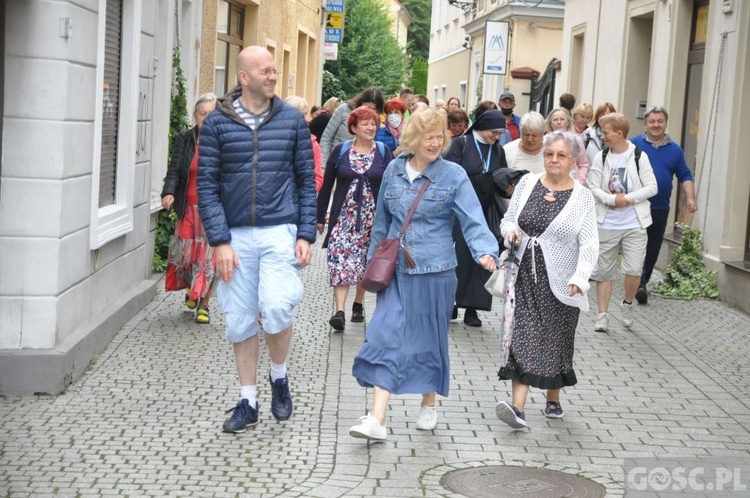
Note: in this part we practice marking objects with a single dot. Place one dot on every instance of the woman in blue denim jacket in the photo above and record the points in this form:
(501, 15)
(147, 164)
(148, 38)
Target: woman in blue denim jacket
(406, 342)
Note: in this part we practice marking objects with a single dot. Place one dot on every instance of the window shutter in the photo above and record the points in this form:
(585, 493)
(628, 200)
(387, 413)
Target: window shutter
(111, 104)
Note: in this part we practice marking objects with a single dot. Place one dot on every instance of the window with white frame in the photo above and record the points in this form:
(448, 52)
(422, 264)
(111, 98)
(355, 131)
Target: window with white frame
(111, 101)
(115, 120)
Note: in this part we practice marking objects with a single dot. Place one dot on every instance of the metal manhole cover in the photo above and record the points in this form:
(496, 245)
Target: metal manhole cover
(499, 481)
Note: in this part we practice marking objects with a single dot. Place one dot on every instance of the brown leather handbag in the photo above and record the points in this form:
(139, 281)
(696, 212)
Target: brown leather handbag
(382, 265)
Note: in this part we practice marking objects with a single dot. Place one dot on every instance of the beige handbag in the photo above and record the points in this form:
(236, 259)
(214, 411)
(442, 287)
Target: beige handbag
(496, 283)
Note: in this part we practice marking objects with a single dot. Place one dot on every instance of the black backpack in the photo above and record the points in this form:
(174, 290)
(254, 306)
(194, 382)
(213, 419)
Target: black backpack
(638, 152)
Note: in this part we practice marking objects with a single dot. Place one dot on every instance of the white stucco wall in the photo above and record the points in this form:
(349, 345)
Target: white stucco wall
(722, 180)
(53, 282)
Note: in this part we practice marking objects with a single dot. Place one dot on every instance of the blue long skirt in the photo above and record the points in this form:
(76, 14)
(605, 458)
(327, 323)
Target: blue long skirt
(406, 342)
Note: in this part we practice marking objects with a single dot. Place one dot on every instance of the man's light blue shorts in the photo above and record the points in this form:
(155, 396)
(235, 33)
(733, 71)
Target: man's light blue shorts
(266, 283)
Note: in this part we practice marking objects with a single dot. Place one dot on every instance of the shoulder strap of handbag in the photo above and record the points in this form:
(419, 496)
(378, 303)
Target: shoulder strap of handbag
(414, 206)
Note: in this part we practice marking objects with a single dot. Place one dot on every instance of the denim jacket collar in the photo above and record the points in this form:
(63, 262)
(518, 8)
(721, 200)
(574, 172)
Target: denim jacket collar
(430, 172)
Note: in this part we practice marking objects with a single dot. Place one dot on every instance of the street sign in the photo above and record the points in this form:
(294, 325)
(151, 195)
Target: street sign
(334, 20)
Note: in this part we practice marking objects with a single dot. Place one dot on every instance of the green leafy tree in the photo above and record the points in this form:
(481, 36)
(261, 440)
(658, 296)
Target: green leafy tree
(418, 79)
(331, 86)
(369, 55)
(418, 36)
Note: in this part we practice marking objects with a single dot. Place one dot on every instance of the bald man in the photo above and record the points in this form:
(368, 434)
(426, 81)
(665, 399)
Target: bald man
(256, 197)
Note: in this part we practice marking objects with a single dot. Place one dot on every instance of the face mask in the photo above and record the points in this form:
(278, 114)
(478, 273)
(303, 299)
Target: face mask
(394, 120)
(507, 112)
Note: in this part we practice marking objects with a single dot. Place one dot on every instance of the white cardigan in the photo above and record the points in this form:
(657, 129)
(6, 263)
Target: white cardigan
(643, 181)
(570, 243)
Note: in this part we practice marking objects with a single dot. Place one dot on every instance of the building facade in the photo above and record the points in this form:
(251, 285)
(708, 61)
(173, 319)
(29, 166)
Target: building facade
(84, 98)
(291, 29)
(690, 56)
(457, 38)
(400, 21)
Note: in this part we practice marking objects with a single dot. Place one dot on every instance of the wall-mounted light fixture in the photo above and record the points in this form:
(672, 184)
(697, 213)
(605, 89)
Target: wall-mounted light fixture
(467, 6)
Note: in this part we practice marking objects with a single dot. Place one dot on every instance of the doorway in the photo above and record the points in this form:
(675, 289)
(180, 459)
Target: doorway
(691, 117)
(637, 68)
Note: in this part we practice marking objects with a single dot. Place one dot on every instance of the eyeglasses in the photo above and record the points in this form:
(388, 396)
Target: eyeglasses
(268, 72)
(436, 138)
(560, 156)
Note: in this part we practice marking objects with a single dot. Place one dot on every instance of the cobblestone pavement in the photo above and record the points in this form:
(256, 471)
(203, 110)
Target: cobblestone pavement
(145, 419)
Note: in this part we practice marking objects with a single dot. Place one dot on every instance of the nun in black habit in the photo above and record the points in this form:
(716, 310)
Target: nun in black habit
(479, 152)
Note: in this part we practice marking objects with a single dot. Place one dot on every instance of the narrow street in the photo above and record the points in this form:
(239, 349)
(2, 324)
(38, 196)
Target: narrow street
(145, 420)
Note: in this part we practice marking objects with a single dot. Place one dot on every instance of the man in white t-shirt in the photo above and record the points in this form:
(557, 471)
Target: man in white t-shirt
(622, 181)
(526, 152)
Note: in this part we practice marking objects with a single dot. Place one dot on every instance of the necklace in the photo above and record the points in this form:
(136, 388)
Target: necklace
(550, 195)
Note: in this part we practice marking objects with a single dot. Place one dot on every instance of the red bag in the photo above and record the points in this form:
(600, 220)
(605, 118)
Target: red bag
(381, 267)
(172, 282)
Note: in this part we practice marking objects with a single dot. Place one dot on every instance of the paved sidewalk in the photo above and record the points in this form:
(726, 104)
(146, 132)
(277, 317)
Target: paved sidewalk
(145, 419)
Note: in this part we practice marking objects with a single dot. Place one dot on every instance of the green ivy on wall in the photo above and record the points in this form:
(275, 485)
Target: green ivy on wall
(179, 121)
(686, 276)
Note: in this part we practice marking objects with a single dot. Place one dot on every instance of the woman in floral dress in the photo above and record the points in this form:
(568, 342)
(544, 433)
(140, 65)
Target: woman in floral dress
(356, 168)
(190, 260)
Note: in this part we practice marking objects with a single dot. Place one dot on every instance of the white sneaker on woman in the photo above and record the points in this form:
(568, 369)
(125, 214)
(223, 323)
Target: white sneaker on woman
(427, 419)
(627, 314)
(369, 428)
(602, 323)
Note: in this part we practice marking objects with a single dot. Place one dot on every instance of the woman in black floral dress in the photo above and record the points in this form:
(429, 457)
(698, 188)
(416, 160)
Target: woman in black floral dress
(552, 220)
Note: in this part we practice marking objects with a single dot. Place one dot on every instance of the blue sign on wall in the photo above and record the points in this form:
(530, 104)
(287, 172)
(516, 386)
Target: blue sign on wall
(334, 20)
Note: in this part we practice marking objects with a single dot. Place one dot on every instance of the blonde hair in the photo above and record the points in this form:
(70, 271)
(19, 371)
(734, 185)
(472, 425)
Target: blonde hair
(297, 102)
(583, 107)
(617, 121)
(331, 104)
(420, 122)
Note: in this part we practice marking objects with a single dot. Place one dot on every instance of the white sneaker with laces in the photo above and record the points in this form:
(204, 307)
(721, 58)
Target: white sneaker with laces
(602, 323)
(427, 420)
(627, 314)
(369, 428)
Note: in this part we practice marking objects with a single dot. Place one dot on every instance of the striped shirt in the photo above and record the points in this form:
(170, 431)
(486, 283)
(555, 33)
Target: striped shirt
(250, 119)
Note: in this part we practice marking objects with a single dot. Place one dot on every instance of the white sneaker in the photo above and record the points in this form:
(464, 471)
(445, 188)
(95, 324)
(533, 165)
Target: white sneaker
(369, 428)
(427, 420)
(602, 323)
(627, 314)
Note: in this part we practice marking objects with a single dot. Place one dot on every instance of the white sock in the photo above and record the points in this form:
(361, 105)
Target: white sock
(277, 371)
(250, 393)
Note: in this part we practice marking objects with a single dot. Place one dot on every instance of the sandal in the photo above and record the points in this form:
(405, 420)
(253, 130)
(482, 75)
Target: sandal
(189, 302)
(201, 315)
(358, 313)
(553, 410)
